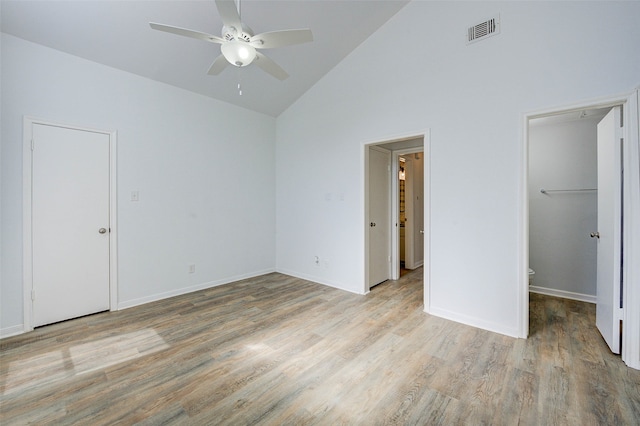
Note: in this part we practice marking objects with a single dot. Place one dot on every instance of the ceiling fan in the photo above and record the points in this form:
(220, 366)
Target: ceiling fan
(239, 44)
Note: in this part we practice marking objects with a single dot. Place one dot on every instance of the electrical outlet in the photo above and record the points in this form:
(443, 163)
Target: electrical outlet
(192, 268)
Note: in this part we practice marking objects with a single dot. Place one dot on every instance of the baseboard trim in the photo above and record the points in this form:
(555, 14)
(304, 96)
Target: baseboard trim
(178, 292)
(11, 331)
(315, 280)
(562, 293)
(473, 322)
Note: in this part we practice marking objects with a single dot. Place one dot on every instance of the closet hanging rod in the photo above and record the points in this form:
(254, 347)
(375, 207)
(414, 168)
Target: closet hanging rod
(545, 191)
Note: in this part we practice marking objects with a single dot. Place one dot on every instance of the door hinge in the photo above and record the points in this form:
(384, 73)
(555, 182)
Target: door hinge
(389, 259)
(619, 314)
(33, 295)
(32, 144)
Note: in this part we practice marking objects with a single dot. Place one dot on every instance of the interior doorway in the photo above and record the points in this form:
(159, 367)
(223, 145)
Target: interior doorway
(575, 187)
(563, 203)
(628, 191)
(413, 146)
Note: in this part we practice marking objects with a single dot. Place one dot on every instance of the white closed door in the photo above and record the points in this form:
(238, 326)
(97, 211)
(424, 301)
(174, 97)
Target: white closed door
(379, 216)
(70, 223)
(608, 236)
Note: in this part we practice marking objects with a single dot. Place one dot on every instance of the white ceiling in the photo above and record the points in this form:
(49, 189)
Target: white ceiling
(116, 33)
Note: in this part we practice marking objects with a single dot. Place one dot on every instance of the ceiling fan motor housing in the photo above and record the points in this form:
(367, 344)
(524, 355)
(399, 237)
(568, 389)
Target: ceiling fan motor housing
(230, 33)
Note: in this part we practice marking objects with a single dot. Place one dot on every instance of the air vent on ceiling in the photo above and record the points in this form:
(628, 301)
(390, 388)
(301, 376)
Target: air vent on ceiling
(485, 29)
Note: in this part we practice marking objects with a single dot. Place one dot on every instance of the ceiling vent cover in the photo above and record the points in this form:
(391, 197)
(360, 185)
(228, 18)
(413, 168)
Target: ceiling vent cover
(485, 29)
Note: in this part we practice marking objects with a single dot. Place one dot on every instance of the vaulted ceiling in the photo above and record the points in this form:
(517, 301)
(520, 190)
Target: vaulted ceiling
(117, 34)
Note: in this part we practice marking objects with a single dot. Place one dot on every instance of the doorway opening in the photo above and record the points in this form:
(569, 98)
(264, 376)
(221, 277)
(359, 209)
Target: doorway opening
(563, 195)
(384, 248)
(538, 196)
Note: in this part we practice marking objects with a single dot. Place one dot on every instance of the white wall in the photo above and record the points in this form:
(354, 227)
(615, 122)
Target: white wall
(563, 255)
(417, 73)
(204, 171)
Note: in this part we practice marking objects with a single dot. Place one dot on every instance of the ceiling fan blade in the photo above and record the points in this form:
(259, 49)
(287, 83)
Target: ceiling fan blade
(229, 14)
(281, 38)
(187, 33)
(270, 67)
(218, 65)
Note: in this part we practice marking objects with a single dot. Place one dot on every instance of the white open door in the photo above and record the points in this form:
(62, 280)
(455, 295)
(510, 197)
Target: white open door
(608, 236)
(379, 225)
(410, 222)
(70, 223)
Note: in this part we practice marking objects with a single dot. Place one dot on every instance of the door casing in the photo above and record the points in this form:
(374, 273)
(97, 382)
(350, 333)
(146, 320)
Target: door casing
(27, 170)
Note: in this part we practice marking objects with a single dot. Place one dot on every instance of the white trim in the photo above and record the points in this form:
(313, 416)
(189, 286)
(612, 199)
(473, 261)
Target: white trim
(631, 270)
(317, 280)
(426, 149)
(27, 241)
(186, 290)
(562, 293)
(523, 232)
(27, 251)
(395, 217)
(11, 331)
(631, 239)
(365, 216)
(113, 221)
(474, 322)
(416, 265)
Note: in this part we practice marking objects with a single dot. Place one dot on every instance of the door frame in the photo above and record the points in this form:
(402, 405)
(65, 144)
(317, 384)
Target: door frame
(395, 231)
(27, 231)
(631, 204)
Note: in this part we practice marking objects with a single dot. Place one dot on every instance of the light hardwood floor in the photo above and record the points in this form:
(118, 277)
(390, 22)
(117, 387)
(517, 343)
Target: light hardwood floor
(278, 350)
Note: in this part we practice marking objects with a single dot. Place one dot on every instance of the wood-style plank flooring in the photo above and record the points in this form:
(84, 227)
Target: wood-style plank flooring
(277, 350)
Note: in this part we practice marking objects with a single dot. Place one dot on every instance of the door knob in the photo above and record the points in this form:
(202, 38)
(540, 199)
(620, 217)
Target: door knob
(102, 230)
(422, 231)
(595, 235)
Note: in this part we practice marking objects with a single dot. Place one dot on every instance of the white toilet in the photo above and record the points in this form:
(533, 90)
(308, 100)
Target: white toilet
(531, 274)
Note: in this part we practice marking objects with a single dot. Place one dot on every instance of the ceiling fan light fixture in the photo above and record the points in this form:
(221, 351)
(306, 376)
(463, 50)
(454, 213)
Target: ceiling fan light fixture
(238, 53)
